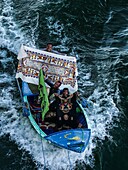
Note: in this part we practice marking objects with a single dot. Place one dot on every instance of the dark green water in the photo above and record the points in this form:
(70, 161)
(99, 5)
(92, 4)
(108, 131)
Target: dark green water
(95, 31)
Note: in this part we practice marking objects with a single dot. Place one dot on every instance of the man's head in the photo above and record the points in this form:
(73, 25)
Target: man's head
(65, 92)
(49, 47)
(57, 84)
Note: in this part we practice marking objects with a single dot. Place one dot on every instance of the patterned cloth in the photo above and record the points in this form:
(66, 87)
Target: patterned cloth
(55, 66)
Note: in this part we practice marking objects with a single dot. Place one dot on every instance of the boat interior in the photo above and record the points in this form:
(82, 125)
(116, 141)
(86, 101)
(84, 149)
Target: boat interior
(48, 125)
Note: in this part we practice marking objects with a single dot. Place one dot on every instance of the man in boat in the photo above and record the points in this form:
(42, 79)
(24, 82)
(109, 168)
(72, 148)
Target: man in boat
(54, 87)
(66, 109)
(49, 49)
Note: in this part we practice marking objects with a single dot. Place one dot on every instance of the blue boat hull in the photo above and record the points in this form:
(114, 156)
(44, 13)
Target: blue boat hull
(72, 139)
(75, 139)
(33, 65)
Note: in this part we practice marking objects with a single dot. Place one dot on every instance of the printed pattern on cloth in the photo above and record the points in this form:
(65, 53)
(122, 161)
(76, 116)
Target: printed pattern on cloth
(56, 67)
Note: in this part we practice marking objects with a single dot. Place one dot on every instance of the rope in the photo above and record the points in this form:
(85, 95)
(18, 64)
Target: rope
(19, 89)
(21, 96)
(70, 164)
(42, 144)
(38, 121)
(82, 135)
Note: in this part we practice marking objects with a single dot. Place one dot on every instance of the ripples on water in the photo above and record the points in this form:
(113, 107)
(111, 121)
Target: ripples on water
(94, 31)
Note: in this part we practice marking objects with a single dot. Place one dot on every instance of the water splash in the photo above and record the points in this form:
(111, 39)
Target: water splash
(11, 36)
(105, 93)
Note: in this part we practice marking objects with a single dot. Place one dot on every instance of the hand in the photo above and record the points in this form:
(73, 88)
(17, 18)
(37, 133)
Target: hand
(57, 95)
(77, 94)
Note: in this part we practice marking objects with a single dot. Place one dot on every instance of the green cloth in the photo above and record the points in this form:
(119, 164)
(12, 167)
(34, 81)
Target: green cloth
(43, 94)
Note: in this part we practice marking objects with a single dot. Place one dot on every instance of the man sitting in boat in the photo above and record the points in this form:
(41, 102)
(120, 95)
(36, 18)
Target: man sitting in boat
(49, 49)
(54, 87)
(66, 109)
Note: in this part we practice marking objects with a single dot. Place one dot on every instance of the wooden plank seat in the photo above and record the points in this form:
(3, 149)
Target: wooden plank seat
(48, 127)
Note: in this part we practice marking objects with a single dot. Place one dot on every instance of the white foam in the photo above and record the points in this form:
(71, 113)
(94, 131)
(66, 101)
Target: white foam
(24, 135)
(57, 28)
(20, 130)
(11, 36)
(101, 118)
(109, 17)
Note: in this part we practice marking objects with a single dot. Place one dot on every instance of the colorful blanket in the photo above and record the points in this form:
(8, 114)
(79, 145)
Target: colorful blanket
(55, 66)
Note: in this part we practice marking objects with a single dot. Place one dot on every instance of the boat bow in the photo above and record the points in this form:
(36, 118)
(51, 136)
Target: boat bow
(74, 139)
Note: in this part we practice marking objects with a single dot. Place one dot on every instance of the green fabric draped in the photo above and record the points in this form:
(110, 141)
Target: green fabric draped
(43, 94)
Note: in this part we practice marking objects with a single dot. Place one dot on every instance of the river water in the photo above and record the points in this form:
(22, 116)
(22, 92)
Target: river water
(96, 32)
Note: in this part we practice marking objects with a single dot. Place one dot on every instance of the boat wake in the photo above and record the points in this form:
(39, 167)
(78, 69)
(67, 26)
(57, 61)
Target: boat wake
(104, 95)
(101, 115)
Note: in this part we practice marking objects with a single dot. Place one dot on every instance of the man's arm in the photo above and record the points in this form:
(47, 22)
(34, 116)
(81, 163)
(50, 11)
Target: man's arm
(49, 82)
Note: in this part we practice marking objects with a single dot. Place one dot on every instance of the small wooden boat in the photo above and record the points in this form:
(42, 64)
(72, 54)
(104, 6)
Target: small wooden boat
(32, 62)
